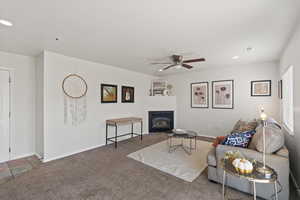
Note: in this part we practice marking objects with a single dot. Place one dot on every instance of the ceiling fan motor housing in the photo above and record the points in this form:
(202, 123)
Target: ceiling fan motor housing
(177, 58)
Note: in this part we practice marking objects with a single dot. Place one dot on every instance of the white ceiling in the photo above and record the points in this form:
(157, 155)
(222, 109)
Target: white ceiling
(131, 34)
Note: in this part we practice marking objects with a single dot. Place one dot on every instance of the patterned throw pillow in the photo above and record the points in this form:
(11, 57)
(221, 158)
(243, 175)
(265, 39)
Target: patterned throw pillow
(239, 139)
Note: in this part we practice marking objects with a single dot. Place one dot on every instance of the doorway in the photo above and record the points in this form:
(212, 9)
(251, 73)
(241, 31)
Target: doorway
(4, 115)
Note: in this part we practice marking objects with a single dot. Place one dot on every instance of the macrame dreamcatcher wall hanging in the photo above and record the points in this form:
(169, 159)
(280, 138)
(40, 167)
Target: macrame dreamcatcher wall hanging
(75, 108)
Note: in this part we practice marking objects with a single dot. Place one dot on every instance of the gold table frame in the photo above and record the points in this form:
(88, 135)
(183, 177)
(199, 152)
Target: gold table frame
(254, 177)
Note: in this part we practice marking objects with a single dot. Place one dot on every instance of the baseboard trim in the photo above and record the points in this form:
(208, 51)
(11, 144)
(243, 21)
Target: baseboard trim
(209, 136)
(39, 156)
(72, 153)
(79, 151)
(22, 156)
(295, 183)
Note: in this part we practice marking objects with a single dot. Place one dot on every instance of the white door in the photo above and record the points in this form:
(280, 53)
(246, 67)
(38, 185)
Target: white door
(4, 116)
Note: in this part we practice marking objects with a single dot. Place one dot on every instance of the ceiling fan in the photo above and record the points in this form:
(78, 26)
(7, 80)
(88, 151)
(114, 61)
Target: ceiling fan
(178, 62)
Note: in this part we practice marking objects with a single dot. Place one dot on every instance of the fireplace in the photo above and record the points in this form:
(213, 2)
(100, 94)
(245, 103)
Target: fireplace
(161, 121)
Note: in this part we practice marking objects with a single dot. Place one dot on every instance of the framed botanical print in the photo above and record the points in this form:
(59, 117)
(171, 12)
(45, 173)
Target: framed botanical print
(127, 94)
(109, 93)
(261, 88)
(223, 94)
(199, 95)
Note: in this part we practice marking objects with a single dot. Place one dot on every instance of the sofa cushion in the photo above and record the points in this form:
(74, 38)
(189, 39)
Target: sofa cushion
(237, 126)
(211, 158)
(239, 139)
(274, 139)
(242, 126)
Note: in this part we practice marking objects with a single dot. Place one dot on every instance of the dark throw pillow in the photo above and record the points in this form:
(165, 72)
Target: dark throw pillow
(239, 139)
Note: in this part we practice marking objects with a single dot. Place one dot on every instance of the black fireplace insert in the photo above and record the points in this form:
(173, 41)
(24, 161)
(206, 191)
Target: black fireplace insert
(160, 121)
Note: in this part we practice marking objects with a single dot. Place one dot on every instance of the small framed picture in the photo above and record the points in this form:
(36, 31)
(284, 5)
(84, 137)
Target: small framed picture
(199, 95)
(223, 94)
(109, 93)
(280, 89)
(127, 94)
(261, 88)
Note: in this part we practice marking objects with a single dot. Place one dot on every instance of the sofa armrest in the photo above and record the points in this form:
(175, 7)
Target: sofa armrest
(284, 152)
(271, 159)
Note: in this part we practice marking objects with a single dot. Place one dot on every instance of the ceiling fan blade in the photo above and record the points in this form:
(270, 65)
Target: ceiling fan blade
(169, 66)
(187, 66)
(161, 63)
(194, 60)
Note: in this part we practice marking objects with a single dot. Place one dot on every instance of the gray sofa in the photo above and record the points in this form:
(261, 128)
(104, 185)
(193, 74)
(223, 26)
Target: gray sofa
(278, 160)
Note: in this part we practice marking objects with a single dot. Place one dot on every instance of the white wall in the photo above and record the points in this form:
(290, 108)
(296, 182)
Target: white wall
(60, 139)
(39, 131)
(215, 122)
(291, 57)
(22, 136)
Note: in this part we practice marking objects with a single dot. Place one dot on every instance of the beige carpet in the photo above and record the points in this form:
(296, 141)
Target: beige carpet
(177, 163)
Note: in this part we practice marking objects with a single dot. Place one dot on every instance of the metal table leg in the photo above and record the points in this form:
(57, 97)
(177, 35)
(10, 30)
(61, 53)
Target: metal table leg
(186, 148)
(276, 190)
(106, 134)
(223, 185)
(254, 190)
(141, 130)
(116, 134)
(131, 129)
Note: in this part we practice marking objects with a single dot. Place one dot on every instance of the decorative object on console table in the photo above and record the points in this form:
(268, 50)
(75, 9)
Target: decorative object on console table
(158, 87)
(127, 94)
(199, 95)
(223, 94)
(109, 93)
(261, 88)
(75, 89)
(169, 88)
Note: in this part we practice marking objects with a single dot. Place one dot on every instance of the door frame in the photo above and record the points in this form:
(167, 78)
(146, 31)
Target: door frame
(10, 72)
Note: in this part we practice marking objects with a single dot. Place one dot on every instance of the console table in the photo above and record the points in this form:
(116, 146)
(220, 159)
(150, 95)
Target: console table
(123, 121)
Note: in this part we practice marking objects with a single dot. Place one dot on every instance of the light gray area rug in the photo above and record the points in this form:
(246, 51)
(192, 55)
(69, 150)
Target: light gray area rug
(176, 163)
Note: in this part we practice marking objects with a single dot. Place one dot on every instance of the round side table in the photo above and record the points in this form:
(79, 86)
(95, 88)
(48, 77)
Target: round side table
(254, 177)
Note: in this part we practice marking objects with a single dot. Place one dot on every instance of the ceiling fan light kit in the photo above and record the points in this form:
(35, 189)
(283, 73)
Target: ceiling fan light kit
(178, 62)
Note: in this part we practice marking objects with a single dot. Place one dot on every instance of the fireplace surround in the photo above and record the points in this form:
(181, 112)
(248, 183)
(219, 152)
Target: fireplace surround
(160, 121)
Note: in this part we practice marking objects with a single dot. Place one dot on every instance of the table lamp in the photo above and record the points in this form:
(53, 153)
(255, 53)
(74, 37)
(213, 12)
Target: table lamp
(264, 170)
